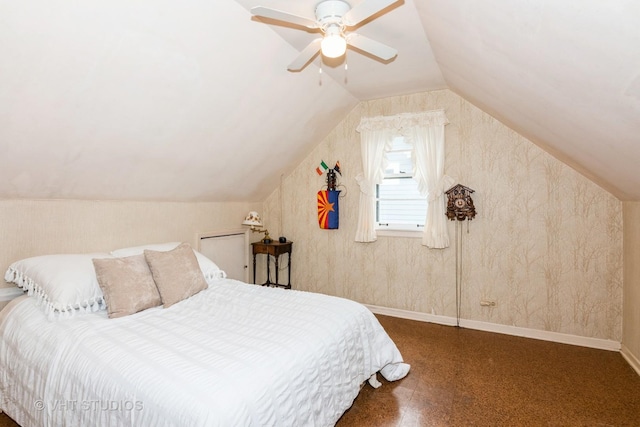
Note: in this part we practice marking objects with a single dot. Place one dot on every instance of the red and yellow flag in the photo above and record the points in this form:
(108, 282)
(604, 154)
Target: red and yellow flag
(328, 209)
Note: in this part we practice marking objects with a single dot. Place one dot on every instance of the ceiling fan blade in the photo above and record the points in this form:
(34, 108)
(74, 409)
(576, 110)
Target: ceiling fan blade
(307, 54)
(364, 10)
(278, 15)
(372, 47)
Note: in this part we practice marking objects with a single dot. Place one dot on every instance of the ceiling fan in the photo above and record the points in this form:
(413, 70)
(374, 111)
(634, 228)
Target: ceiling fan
(333, 18)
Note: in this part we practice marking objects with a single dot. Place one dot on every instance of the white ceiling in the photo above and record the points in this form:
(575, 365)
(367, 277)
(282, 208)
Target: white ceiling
(169, 100)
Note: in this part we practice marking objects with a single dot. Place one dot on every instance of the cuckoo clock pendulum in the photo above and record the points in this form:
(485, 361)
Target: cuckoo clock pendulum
(459, 207)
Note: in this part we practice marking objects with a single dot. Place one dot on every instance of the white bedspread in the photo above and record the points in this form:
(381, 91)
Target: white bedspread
(232, 355)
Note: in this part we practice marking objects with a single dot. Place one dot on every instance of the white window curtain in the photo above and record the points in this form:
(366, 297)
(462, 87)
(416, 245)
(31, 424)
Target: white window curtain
(373, 144)
(428, 167)
(425, 131)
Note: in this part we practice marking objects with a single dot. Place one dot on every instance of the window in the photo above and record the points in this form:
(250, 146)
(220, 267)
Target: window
(425, 131)
(399, 205)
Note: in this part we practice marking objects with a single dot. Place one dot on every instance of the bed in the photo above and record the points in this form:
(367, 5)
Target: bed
(231, 354)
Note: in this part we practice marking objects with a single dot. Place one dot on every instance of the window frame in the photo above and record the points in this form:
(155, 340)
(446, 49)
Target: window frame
(398, 229)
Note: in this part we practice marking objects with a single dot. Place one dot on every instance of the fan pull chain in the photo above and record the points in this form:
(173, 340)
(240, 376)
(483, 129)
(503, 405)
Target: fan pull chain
(320, 74)
(346, 69)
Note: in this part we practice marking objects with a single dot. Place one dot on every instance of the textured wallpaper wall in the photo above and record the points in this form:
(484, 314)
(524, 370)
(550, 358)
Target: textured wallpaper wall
(631, 309)
(39, 227)
(546, 244)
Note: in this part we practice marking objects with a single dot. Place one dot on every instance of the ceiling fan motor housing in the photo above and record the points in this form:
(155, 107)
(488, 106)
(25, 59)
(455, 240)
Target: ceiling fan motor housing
(331, 12)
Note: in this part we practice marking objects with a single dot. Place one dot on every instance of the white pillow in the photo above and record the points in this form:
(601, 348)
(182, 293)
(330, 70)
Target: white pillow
(209, 268)
(139, 250)
(63, 283)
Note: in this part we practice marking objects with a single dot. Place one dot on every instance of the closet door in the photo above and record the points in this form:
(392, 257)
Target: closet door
(229, 250)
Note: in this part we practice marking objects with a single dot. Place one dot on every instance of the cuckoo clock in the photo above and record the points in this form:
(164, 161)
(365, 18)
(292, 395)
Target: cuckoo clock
(459, 204)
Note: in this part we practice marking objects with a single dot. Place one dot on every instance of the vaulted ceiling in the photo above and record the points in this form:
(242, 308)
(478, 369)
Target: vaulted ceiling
(169, 100)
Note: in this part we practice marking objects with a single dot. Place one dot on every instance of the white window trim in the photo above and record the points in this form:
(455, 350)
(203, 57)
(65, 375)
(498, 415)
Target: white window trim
(385, 232)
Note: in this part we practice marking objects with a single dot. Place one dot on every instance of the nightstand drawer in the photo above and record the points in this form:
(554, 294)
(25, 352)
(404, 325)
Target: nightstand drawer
(273, 249)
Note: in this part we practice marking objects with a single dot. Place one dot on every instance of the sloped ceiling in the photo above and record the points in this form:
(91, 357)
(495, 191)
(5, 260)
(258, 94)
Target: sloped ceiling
(168, 100)
(565, 74)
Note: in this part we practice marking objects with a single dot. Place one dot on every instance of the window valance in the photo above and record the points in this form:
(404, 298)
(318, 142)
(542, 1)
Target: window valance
(402, 121)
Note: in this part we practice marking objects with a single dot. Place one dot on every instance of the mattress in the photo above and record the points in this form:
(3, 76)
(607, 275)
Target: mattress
(232, 355)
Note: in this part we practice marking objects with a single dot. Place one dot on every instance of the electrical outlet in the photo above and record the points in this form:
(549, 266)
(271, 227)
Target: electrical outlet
(487, 303)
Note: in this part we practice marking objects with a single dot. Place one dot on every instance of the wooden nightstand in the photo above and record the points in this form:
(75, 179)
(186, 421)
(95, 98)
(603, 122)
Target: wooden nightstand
(274, 249)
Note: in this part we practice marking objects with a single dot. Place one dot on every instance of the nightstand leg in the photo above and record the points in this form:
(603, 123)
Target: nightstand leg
(254, 269)
(289, 275)
(276, 257)
(268, 282)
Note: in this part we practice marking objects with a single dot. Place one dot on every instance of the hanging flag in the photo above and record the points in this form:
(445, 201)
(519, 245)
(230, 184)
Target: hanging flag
(322, 168)
(328, 218)
(337, 167)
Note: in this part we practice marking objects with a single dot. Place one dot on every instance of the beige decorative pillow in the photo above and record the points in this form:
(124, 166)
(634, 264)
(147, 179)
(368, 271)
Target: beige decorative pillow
(127, 285)
(176, 273)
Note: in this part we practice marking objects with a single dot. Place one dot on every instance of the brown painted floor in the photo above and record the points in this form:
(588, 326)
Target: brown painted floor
(461, 377)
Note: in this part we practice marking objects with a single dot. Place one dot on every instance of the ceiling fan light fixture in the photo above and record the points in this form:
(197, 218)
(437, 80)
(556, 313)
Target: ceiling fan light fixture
(333, 46)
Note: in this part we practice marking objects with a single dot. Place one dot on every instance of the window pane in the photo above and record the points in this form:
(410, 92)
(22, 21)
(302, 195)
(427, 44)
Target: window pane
(399, 188)
(402, 212)
(399, 202)
(399, 162)
(399, 205)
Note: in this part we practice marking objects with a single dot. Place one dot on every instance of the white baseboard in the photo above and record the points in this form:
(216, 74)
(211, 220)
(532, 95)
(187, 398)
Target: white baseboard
(630, 358)
(558, 337)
